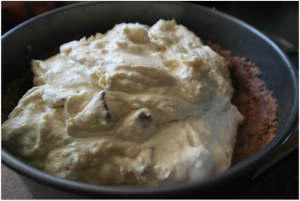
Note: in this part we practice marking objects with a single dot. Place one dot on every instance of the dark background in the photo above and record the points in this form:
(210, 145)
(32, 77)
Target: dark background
(272, 18)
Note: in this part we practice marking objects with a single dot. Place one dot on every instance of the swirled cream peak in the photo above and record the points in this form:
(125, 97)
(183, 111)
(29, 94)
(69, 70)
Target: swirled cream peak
(137, 105)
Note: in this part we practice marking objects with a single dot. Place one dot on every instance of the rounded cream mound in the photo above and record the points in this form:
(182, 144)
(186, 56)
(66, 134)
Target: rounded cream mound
(138, 105)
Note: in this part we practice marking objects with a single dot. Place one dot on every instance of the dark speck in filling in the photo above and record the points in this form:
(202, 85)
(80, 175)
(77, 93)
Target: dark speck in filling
(105, 105)
(146, 120)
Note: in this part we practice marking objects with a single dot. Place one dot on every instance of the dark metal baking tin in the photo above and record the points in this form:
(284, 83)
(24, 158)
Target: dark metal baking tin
(41, 34)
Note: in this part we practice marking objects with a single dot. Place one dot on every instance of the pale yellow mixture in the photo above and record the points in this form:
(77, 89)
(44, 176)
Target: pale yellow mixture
(138, 105)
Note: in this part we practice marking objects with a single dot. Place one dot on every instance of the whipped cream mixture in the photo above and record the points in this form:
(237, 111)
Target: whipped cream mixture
(138, 105)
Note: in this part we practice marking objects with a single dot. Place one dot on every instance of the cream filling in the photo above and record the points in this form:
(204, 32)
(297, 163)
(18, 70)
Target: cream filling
(137, 105)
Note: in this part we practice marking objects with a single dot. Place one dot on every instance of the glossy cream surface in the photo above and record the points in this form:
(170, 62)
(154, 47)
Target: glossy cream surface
(137, 105)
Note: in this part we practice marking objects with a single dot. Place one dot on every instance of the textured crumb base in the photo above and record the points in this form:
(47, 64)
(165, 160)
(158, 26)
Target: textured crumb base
(251, 97)
(254, 101)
